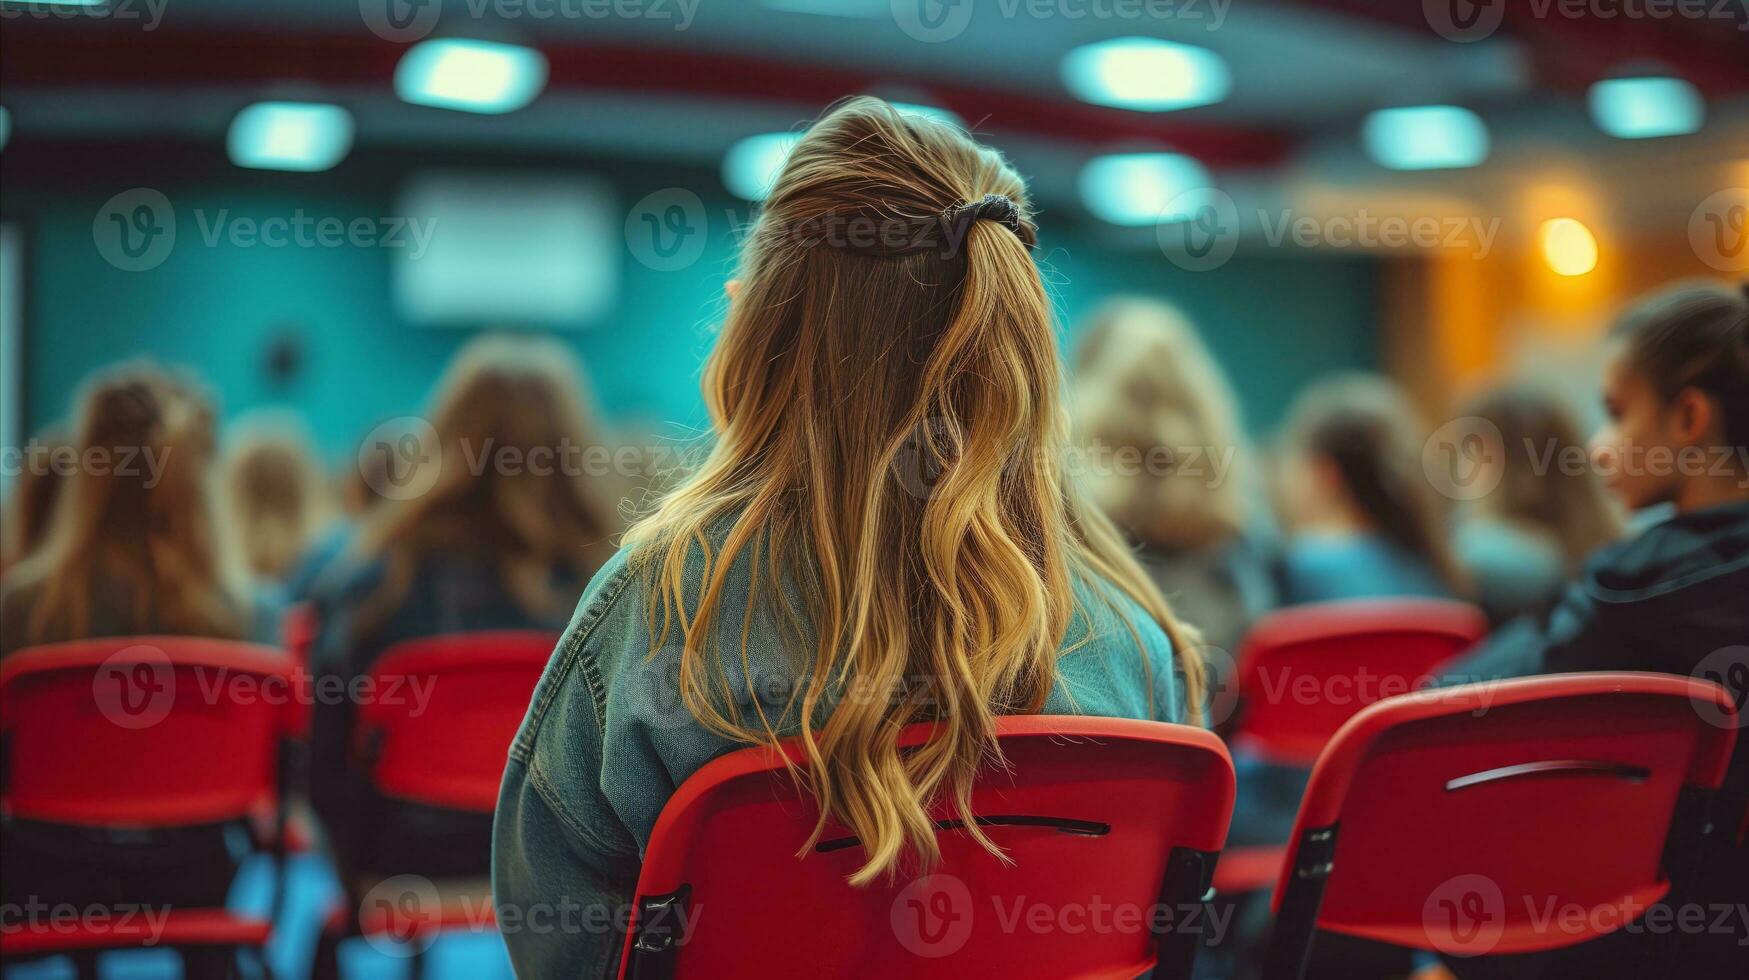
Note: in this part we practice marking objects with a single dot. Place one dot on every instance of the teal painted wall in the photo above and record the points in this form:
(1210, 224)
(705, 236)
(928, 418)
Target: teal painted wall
(1276, 320)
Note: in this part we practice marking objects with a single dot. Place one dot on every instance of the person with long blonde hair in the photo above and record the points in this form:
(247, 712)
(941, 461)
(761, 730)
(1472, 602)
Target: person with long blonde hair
(134, 546)
(492, 521)
(1163, 453)
(275, 493)
(883, 533)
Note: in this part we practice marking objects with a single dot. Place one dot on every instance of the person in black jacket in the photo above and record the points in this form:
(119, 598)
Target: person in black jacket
(1675, 598)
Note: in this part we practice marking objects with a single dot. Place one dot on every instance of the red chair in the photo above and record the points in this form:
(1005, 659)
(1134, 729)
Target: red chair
(450, 750)
(1305, 670)
(1503, 817)
(437, 731)
(298, 629)
(152, 732)
(1098, 815)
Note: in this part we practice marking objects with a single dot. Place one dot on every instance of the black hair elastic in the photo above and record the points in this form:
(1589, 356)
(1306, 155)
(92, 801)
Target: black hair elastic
(991, 207)
(945, 233)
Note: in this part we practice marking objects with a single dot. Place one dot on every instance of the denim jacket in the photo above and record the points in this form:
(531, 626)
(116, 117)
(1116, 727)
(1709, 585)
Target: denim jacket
(606, 742)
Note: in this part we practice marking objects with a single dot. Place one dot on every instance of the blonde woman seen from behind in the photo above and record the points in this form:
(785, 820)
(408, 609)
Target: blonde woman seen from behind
(886, 508)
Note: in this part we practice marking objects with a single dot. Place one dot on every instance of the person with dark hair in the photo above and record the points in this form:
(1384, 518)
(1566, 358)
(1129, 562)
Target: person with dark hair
(1361, 519)
(1670, 599)
(1520, 542)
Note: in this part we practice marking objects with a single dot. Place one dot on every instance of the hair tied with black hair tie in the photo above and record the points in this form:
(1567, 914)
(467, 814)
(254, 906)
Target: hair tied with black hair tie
(991, 207)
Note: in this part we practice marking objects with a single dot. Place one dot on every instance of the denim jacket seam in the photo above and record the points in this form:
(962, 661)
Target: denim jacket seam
(549, 794)
(523, 748)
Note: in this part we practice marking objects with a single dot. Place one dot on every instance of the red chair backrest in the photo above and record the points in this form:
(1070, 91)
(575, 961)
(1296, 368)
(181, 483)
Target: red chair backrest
(1463, 817)
(145, 731)
(437, 724)
(1305, 670)
(298, 631)
(1094, 812)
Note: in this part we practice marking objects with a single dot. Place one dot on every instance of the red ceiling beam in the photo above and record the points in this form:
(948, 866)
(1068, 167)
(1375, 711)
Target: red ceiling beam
(50, 56)
(1571, 45)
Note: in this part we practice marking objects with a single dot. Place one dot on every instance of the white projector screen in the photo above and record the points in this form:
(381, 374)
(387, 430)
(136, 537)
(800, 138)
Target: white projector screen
(508, 250)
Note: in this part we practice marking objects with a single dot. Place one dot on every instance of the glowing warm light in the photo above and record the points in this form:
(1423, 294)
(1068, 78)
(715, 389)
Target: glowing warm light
(1568, 246)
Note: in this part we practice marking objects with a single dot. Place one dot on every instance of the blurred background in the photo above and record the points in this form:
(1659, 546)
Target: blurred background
(312, 205)
(1447, 191)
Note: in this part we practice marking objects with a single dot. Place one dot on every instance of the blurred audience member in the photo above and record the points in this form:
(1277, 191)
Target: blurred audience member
(134, 545)
(1533, 531)
(1362, 520)
(488, 532)
(1677, 392)
(275, 493)
(133, 548)
(1163, 451)
(34, 492)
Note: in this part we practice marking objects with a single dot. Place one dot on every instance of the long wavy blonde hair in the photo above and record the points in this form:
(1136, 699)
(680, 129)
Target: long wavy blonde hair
(886, 402)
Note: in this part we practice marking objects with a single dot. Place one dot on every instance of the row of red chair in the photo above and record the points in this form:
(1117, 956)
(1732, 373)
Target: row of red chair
(1101, 817)
(1566, 789)
(159, 732)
